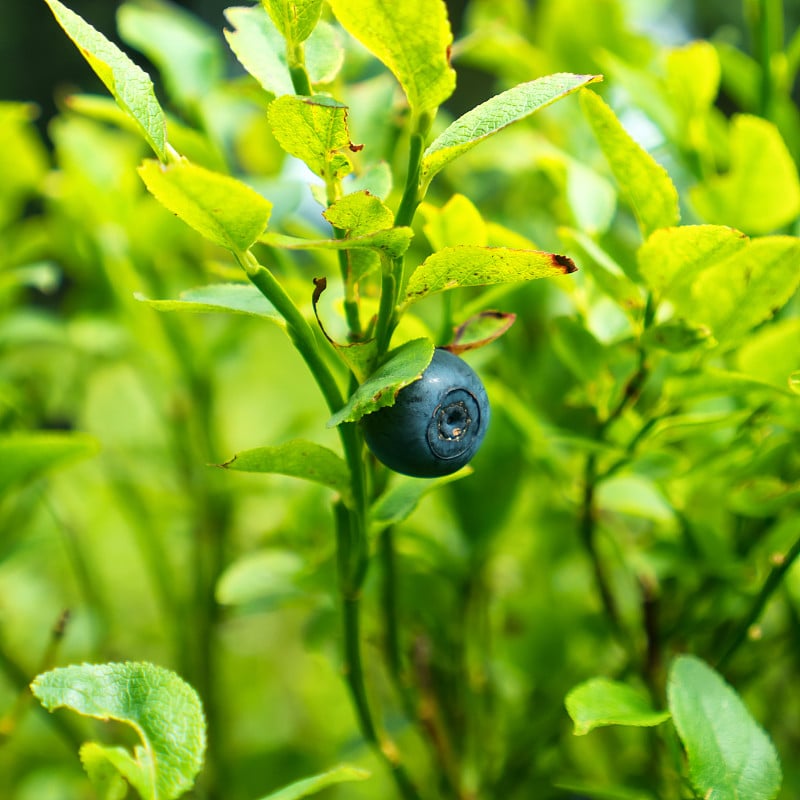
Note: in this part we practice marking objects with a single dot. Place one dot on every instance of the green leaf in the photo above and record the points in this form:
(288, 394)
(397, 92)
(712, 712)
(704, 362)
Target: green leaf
(398, 502)
(359, 213)
(671, 259)
(129, 84)
(186, 52)
(734, 295)
(266, 578)
(104, 776)
(295, 19)
(457, 222)
(599, 702)
(26, 456)
(456, 267)
(224, 210)
(642, 181)
(412, 39)
(317, 783)
(313, 129)
(235, 298)
(394, 242)
(761, 191)
(770, 354)
(404, 365)
(164, 711)
(298, 459)
(261, 50)
(495, 114)
(258, 45)
(730, 756)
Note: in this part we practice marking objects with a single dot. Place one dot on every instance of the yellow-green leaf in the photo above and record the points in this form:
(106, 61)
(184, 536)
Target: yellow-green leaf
(412, 38)
(468, 265)
(295, 19)
(760, 192)
(672, 258)
(223, 209)
(359, 213)
(745, 289)
(128, 83)
(313, 129)
(495, 114)
(643, 182)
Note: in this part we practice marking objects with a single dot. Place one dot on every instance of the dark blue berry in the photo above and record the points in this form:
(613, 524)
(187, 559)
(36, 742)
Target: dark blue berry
(436, 424)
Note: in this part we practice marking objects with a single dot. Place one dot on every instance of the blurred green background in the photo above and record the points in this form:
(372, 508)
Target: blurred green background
(229, 578)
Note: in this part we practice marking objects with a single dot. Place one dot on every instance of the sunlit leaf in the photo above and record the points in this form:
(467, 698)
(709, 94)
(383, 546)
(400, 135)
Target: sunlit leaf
(495, 114)
(313, 129)
(411, 38)
(672, 258)
(295, 19)
(750, 286)
(223, 209)
(128, 83)
(457, 222)
(730, 756)
(642, 181)
(761, 191)
(359, 213)
(456, 267)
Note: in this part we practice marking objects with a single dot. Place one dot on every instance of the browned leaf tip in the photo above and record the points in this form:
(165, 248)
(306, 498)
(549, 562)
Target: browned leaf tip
(565, 262)
(320, 285)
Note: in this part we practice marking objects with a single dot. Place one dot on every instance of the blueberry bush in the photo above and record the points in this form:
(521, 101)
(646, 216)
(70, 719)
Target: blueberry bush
(260, 537)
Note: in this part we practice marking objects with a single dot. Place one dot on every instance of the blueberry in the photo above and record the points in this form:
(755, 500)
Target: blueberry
(436, 424)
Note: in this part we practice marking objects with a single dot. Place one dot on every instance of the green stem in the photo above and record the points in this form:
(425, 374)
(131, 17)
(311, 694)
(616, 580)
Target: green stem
(351, 565)
(771, 584)
(766, 25)
(386, 309)
(393, 282)
(297, 69)
(411, 194)
(588, 534)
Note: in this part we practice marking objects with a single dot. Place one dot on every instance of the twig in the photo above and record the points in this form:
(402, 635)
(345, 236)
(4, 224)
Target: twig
(771, 584)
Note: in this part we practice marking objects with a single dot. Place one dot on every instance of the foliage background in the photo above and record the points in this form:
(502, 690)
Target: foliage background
(113, 538)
